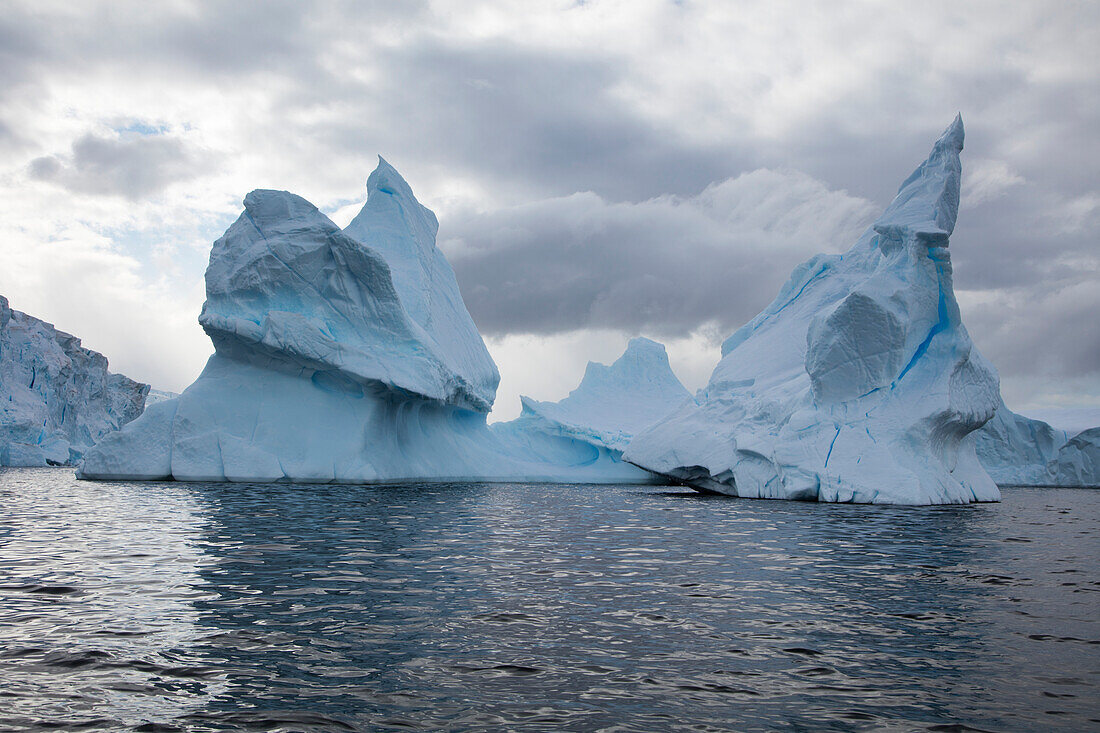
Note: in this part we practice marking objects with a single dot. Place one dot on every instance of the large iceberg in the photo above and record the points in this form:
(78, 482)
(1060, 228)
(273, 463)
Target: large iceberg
(339, 356)
(56, 397)
(859, 382)
(595, 423)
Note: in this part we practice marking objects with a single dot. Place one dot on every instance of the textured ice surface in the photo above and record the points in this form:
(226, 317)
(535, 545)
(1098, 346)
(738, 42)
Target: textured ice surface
(1019, 451)
(158, 395)
(858, 383)
(393, 224)
(1077, 463)
(56, 397)
(598, 419)
(340, 356)
(287, 290)
(1015, 450)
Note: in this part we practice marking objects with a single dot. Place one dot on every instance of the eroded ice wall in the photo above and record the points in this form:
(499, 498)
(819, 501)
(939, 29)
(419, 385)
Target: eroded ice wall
(56, 397)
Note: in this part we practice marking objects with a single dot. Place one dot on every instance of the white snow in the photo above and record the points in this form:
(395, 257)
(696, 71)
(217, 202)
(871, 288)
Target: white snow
(56, 397)
(858, 383)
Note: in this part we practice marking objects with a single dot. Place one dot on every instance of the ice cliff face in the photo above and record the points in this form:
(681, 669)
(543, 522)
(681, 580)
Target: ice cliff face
(403, 233)
(858, 383)
(1015, 450)
(595, 423)
(1077, 463)
(56, 397)
(339, 356)
(1020, 451)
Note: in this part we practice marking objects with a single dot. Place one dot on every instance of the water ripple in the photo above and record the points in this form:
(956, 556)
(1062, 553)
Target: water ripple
(190, 607)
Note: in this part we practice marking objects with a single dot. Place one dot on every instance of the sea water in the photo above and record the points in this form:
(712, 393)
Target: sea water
(193, 607)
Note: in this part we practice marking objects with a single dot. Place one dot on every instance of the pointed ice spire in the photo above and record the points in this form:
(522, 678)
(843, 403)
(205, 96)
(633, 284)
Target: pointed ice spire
(398, 227)
(393, 223)
(927, 203)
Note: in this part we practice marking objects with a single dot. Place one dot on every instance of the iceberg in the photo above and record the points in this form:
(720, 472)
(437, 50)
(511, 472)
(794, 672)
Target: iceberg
(159, 395)
(1015, 450)
(859, 383)
(1020, 451)
(57, 398)
(1077, 463)
(340, 356)
(596, 422)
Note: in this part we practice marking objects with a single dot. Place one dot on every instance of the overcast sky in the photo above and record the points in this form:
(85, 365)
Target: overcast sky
(599, 169)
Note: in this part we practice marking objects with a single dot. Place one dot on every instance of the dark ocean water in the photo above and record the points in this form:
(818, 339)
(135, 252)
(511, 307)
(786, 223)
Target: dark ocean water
(165, 607)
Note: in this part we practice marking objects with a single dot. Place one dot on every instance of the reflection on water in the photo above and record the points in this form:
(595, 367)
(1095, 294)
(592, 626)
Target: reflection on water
(256, 607)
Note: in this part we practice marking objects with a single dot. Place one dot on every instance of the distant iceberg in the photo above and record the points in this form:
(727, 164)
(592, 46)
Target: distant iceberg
(341, 356)
(159, 395)
(595, 423)
(1077, 463)
(859, 382)
(56, 397)
(1020, 451)
(1015, 450)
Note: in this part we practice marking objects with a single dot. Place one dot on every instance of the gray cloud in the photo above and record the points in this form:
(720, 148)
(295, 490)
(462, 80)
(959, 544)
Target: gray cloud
(648, 245)
(663, 266)
(518, 118)
(134, 166)
(1040, 334)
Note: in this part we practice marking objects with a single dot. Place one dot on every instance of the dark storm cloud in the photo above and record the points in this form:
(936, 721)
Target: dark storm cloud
(132, 166)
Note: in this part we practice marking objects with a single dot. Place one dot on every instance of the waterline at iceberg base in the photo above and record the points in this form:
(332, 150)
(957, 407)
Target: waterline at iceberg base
(859, 383)
(349, 356)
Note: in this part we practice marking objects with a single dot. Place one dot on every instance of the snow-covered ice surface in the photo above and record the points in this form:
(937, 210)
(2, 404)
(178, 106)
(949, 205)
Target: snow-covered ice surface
(596, 422)
(56, 397)
(342, 356)
(858, 383)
